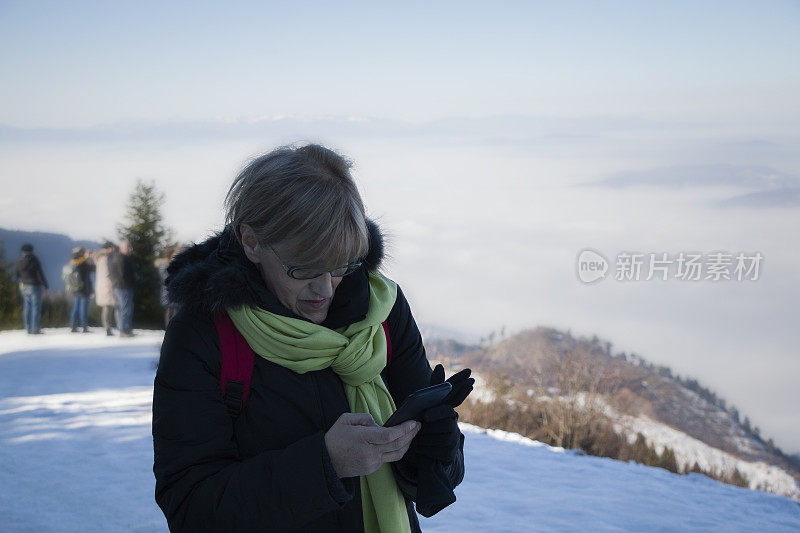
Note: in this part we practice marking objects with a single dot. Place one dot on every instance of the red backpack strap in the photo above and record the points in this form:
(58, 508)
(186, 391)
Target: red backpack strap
(388, 343)
(237, 364)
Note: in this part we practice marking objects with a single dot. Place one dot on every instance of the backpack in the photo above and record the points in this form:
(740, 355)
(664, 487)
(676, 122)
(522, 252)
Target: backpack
(72, 277)
(238, 359)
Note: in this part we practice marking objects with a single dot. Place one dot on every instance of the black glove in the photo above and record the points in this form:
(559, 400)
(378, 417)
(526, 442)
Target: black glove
(461, 382)
(437, 444)
(439, 437)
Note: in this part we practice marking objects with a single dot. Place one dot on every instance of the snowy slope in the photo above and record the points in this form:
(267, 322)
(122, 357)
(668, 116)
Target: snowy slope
(76, 455)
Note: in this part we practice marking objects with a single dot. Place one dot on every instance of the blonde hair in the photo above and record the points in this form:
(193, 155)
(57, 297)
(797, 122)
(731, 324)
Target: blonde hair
(304, 197)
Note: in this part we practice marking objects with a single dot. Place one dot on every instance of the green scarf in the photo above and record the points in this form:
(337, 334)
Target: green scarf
(357, 353)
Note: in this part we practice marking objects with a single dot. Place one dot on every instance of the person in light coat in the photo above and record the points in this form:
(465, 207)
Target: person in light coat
(104, 291)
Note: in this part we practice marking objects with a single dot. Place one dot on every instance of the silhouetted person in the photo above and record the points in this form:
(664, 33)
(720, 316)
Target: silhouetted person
(28, 271)
(78, 277)
(123, 279)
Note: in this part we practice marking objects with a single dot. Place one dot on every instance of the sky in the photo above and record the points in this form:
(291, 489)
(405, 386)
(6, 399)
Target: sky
(492, 144)
(81, 64)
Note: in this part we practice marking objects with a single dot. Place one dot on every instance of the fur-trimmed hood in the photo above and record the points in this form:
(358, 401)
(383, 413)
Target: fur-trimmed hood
(215, 275)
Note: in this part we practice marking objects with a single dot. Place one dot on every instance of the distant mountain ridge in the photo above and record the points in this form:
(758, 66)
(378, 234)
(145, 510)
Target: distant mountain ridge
(52, 249)
(639, 396)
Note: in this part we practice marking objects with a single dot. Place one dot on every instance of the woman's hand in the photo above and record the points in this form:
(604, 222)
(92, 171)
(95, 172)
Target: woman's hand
(358, 446)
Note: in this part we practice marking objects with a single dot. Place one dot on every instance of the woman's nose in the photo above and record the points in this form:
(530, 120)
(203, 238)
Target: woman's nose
(323, 285)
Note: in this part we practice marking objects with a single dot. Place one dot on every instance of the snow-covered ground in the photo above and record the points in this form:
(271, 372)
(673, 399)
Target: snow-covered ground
(76, 455)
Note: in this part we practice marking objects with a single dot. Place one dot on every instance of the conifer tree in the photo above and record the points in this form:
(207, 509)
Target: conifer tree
(144, 229)
(737, 478)
(652, 458)
(668, 460)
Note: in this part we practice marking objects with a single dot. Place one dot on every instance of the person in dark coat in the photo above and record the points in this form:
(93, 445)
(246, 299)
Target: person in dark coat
(29, 274)
(78, 277)
(296, 270)
(123, 278)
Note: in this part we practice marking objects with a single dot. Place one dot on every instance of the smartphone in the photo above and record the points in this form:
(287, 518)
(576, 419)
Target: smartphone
(417, 402)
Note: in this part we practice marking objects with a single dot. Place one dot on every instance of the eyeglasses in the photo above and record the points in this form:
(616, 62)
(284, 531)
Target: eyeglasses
(307, 273)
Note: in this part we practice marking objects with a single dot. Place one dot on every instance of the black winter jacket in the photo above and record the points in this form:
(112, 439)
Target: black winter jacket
(121, 270)
(28, 270)
(268, 470)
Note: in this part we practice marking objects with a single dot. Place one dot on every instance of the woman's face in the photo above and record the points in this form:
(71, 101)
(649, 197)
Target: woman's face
(309, 298)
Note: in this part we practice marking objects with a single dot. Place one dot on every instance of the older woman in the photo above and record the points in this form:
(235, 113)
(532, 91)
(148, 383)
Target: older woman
(296, 272)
